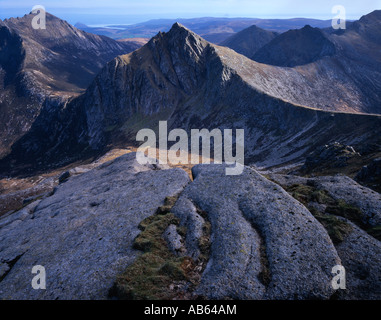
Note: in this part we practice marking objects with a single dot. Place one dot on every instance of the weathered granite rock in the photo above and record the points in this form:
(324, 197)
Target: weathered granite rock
(361, 256)
(187, 212)
(264, 244)
(256, 240)
(344, 188)
(359, 251)
(83, 234)
(173, 239)
(341, 187)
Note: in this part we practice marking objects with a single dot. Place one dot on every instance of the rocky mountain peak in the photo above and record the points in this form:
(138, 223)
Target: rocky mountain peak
(179, 77)
(179, 26)
(177, 33)
(369, 26)
(373, 16)
(179, 54)
(296, 47)
(249, 40)
(35, 65)
(181, 36)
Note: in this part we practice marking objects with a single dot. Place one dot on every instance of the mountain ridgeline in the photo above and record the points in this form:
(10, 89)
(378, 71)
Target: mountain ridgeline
(191, 83)
(214, 30)
(249, 40)
(39, 67)
(296, 47)
(348, 59)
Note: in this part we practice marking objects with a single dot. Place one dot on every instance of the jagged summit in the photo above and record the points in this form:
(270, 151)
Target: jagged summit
(369, 28)
(178, 25)
(178, 32)
(176, 35)
(66, 57)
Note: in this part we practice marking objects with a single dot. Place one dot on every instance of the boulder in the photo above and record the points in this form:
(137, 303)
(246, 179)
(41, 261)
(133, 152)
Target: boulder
(264, 243)
(370, 175)
(361, 256)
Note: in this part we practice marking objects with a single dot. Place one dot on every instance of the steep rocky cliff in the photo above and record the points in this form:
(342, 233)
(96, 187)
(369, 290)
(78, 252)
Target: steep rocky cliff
(348, 59)
(40, 66)
(181, 78)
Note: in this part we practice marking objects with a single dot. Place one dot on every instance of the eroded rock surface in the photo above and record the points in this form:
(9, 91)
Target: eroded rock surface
(247, 237)
(83, 234)
(264, 244)
(355, 227)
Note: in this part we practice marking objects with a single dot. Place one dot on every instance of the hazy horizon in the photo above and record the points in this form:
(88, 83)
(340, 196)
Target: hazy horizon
(96, 12)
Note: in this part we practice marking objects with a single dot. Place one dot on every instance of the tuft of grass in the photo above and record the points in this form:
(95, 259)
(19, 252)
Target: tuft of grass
(301, 193)
(345, 210)
(204, 241)
(150, 276)
(306, 194)
(375, 232)
(168, 205)
(337, 229)
(153, 273)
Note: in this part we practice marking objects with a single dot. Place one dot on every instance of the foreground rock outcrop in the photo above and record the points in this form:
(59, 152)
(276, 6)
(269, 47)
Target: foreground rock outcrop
(258, 230)
(224, 237)
(83, 233)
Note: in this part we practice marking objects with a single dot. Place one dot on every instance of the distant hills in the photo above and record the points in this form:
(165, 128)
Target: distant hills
(349, 60)
(215, 30)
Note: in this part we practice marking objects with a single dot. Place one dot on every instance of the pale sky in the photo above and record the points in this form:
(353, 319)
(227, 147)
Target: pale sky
(148, 9)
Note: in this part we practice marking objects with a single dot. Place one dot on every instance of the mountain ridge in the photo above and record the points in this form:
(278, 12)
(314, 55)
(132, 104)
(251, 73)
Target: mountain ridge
(296, 47)
(38, 67)
(214, 30)
(181, 78)
(249, 41)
